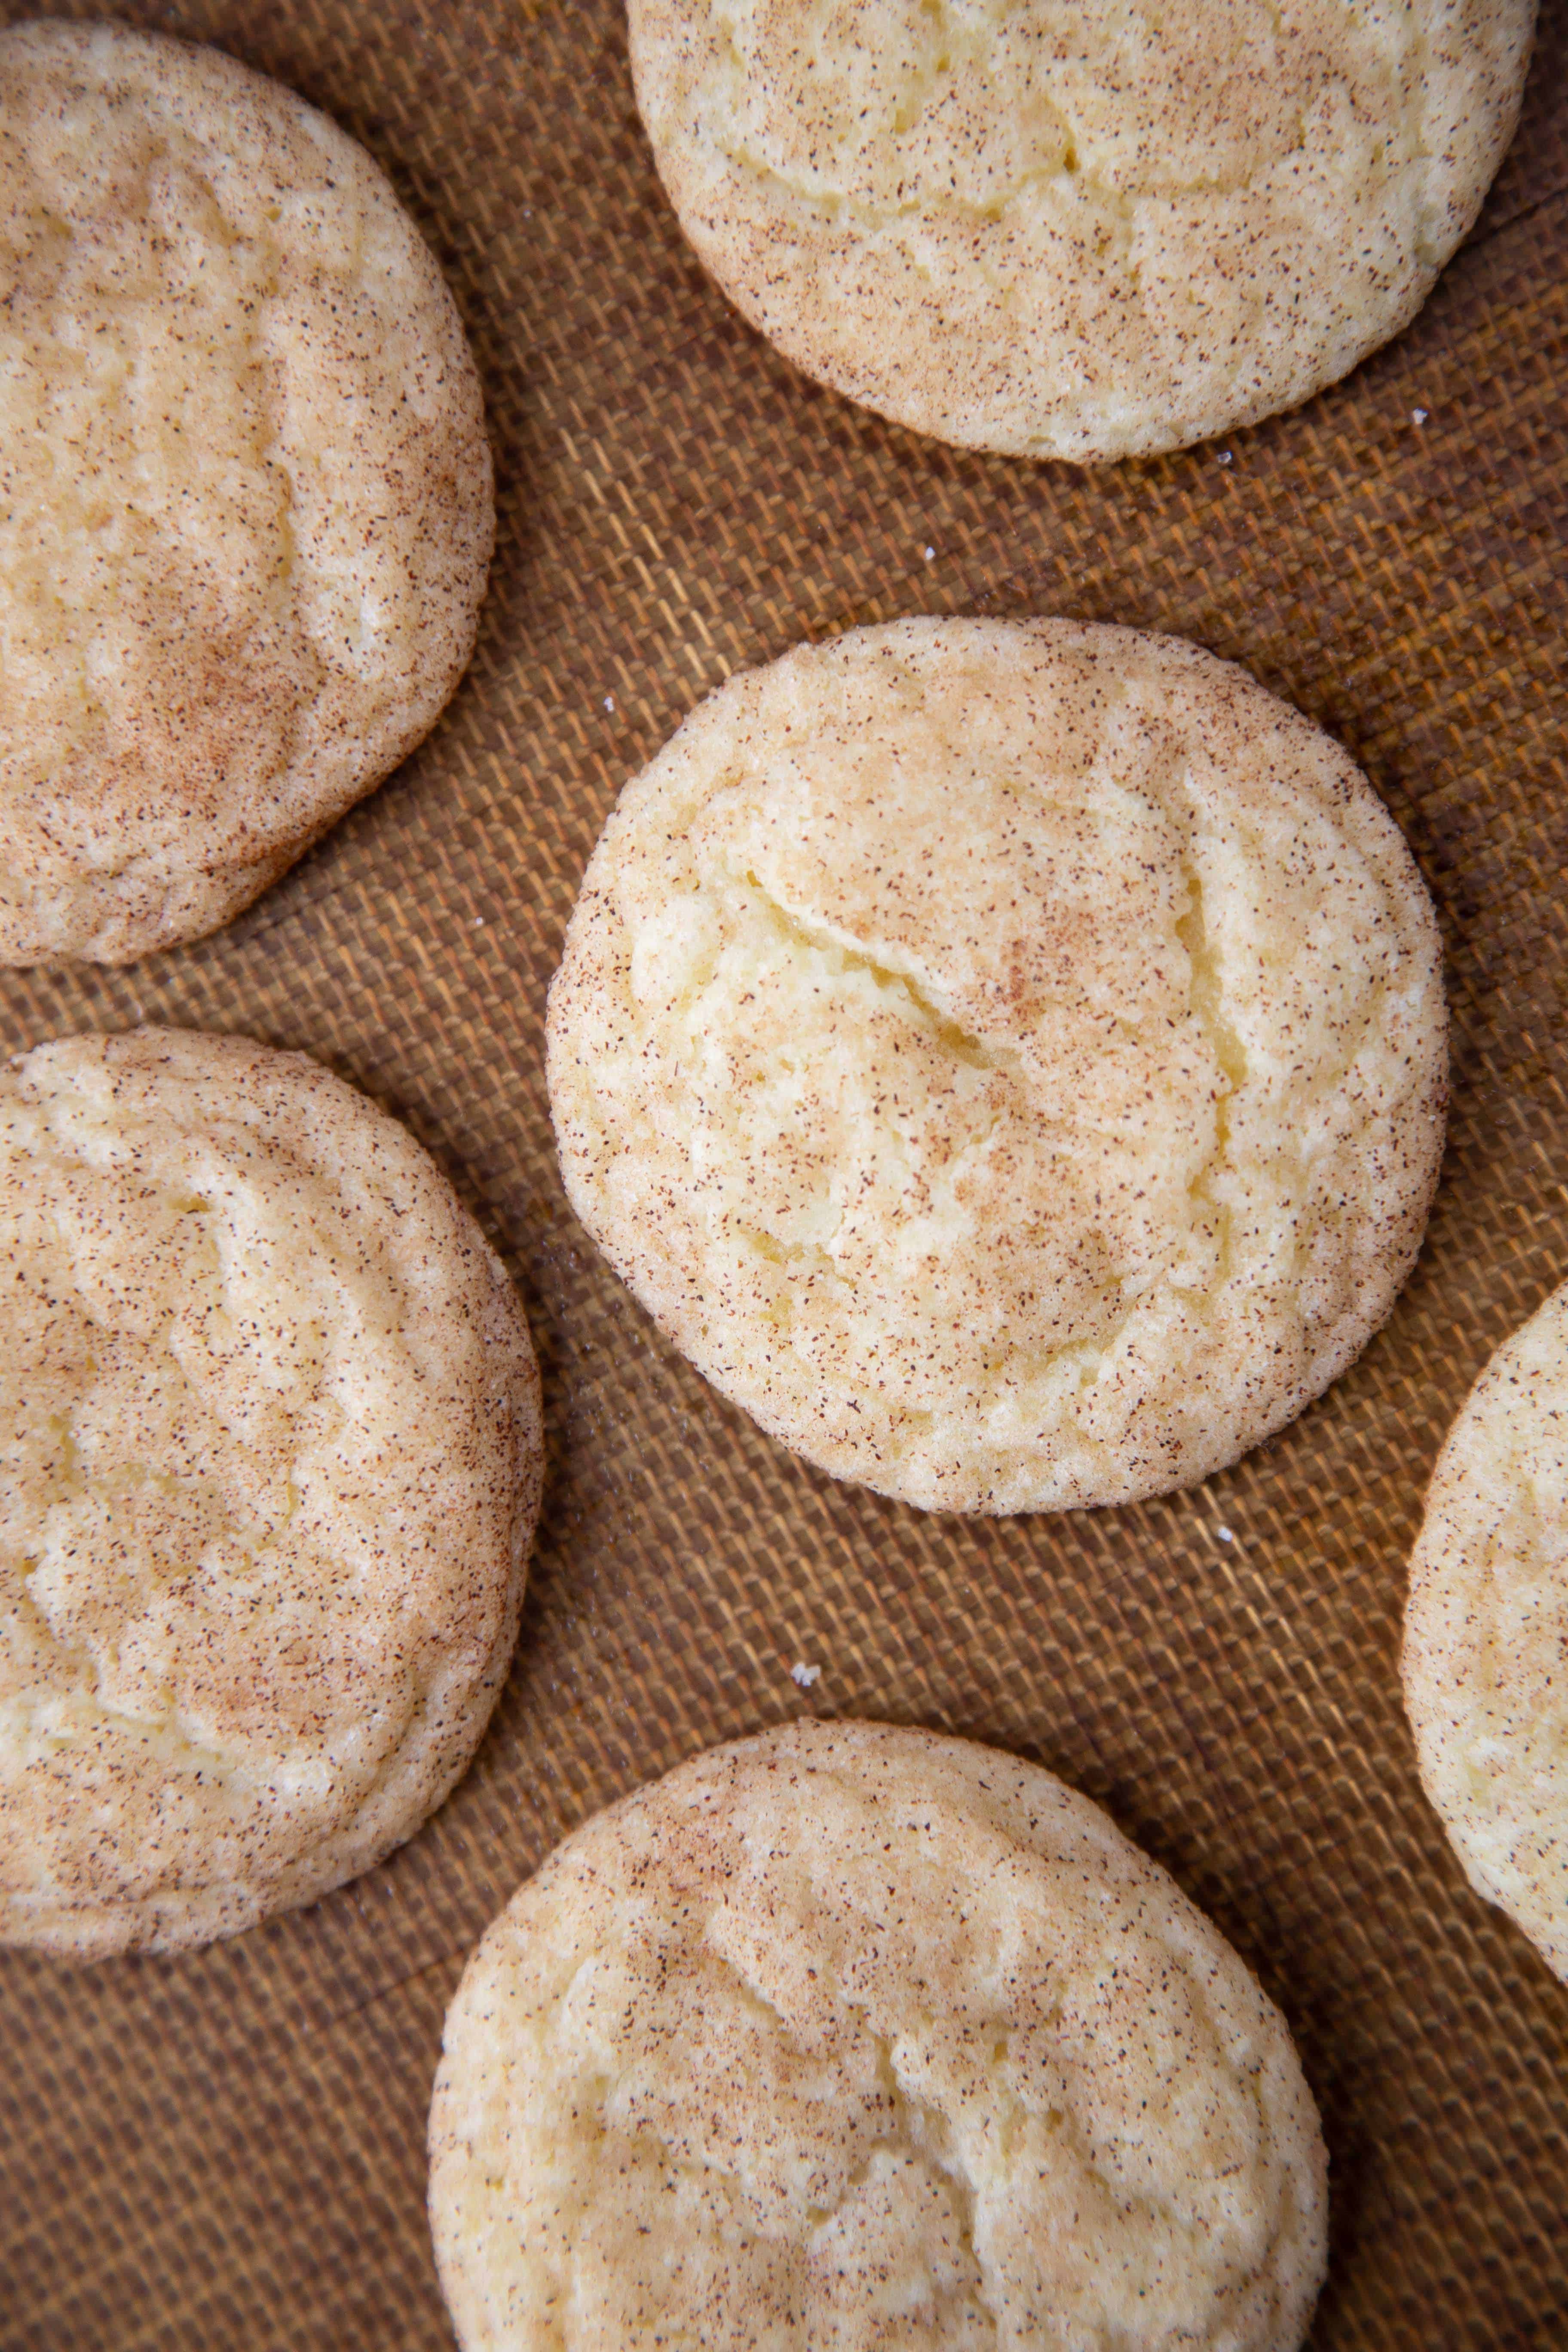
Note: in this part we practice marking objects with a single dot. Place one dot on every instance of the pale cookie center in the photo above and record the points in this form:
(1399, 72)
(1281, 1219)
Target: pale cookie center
(952, 1198)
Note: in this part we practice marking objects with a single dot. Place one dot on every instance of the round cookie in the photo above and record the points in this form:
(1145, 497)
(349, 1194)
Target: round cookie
(1062, 230)
(849, 2035)
(1008, 1058)
(248, 511)
(270, 1430)
(1485, 1633)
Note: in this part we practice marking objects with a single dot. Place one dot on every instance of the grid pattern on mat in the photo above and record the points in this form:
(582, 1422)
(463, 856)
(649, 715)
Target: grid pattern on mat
(225, 2151)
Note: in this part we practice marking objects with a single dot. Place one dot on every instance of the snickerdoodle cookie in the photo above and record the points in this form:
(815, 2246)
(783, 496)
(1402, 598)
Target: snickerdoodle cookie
(245, 510)
(1077, 228)
(1485, 1633)
(270, 1423)
(1008, 1058)
(853, 2036)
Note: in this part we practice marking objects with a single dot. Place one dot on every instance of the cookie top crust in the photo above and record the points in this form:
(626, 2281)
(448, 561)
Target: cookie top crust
(1485, 1633)
(1008, 1058)
(245, 502)
(269, 1421)
(853, 2035)
(1072, 230)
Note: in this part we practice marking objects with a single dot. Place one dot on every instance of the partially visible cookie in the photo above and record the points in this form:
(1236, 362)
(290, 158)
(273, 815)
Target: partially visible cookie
(1008, 1058)
(1485, 1633)
(246, 515)
(269, 1432)
(1077, 228)
(854, 2036)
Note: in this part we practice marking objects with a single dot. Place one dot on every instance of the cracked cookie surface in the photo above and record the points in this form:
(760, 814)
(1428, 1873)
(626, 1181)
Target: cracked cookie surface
(1071, 231)
(852, 2036)
(1485, 1633)
(270, 1430)
(1007, 1058)
(245, 510)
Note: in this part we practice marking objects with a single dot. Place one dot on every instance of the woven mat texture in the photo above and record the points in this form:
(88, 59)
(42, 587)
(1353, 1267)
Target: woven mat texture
(224, 2152)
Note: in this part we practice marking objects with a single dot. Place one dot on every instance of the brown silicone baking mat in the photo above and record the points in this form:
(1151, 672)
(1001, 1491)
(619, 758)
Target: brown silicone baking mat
(226, 2149)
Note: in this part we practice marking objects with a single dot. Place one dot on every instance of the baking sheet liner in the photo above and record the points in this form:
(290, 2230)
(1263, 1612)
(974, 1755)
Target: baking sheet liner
(226, 2149)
